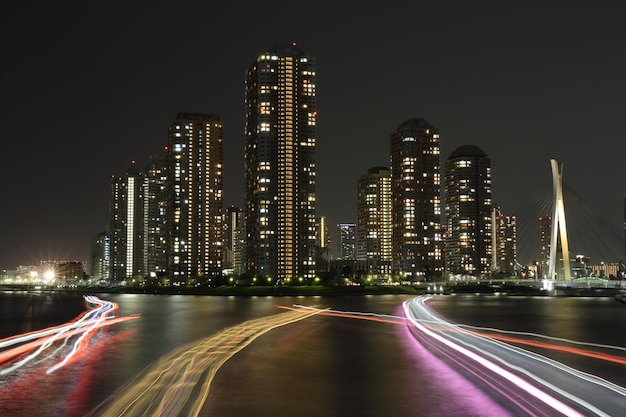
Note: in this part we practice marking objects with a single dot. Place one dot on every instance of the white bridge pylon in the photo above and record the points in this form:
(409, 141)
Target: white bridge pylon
(558, 225)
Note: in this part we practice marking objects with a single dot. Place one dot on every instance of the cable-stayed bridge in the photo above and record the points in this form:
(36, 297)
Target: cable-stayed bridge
(589, 233)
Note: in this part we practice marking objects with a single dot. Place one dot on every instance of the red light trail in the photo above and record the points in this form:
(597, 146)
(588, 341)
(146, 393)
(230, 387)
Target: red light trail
(36, 342)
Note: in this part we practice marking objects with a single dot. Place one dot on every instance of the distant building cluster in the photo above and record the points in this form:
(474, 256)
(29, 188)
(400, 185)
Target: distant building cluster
(50, 272)
(417, 218)
(168, 221)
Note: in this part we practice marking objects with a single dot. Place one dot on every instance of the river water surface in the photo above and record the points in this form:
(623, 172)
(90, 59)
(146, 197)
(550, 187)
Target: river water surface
(319, 366)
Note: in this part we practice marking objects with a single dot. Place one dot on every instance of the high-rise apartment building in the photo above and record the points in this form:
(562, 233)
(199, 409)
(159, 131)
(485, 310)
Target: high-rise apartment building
(545, 233)
(468, 203)
(100, 257)
(346, 241)
(233, 225)
(156, 200)
(127, 225)
(195, 150)
(416, 243)
(322, 245)
(504, 240)
(373, 226)
(280, 165)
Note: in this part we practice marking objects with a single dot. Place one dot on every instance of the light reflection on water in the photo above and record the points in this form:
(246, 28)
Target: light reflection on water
(321, 366)
(445, 382)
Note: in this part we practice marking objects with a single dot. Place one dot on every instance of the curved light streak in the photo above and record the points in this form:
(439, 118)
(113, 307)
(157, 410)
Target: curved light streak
(493, 333)
(434, 327)
(182, 379)
(474, 352)
(453, 328)
(542, 336)
(575, 351)
(36, 342)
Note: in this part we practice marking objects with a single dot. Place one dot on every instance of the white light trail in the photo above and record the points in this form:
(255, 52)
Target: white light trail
(468, 347)
(39, 341)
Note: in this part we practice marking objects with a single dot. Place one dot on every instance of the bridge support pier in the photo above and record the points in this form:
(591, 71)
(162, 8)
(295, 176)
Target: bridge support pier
(558, 225)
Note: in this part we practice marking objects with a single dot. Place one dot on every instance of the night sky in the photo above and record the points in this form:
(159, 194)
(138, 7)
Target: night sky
(87, 87)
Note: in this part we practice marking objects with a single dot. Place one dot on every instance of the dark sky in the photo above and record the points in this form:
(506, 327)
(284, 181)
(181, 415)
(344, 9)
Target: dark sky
(88, 86)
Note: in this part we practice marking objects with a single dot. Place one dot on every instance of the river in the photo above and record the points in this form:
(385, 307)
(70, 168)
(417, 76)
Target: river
(323, 365)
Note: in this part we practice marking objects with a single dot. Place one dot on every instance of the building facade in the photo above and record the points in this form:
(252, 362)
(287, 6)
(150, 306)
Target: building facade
(100, 257)
(322, 245)
(416, 243)
(545, 232)
(156, 200)
(70, 272)
(468, 203)
(373, 226)
(346, 241)
(280, 165)
(126, 229)
(195, 207)
(504, 257)
(233, 225)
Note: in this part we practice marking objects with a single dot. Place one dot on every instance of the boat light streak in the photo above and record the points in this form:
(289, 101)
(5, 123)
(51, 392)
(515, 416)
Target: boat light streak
(182, 379)
(38, 341)
(516, 380)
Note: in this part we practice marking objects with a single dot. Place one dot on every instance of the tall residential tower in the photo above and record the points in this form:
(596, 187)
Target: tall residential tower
(196, 203)
(233, 236)
(280, 165)
(346, 241)
(156, 193)
(468, 212)
(373, 226)
(126, 225)
(504, 239)
(417, 246)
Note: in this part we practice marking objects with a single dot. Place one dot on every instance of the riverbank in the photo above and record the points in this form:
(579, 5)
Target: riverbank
(508, 289)
(277, 291)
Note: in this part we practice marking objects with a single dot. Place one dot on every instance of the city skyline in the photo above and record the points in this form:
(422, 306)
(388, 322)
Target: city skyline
(524, 82)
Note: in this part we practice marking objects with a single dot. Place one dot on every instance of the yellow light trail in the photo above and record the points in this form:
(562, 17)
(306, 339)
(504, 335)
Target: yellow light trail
(179, 383)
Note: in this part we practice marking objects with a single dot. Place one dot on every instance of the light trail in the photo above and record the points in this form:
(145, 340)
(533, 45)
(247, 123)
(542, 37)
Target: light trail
(586, 392)
(581, 394)
(532, 356)
(100, 313)
(37, 342)
(519, 382)
(575, 351)
(80, 320)
(4, 356)
(488, 332)
(180, 382)
(24, 337)
(543, 336)
(381, 318)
